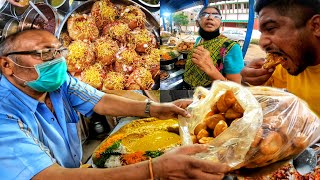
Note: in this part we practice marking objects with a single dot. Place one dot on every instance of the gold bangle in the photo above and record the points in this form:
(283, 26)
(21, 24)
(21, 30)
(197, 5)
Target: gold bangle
(150, 168)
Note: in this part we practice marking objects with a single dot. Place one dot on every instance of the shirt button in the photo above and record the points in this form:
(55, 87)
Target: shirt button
(52, 119)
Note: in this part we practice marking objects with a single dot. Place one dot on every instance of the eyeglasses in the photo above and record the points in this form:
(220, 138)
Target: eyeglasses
(206, 15)
(44, 54)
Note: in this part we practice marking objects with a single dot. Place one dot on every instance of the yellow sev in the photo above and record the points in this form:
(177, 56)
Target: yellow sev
(142, 37)
(107, 11)
(154, 57)
(105, 47)
(119, 30)
(114, 80)
(78, 51)
(86, 25)
(145, 77)
(92, 75)
(107, 143)
(130, 16)
(129, 56)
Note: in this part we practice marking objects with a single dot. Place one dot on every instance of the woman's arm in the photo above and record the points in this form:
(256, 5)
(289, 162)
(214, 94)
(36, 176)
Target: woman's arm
(233, 64)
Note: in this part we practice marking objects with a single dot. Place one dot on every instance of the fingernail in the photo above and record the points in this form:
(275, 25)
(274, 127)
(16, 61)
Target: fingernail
(188, 115)
(271, 70)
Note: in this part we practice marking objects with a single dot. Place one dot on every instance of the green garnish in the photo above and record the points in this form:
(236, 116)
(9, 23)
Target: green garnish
(153, 154)
(107, 153)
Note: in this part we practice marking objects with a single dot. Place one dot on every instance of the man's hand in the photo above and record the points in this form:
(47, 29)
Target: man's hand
(177, 164)
(170, 110)
(254, 74)
(201, 57)
(15, 3)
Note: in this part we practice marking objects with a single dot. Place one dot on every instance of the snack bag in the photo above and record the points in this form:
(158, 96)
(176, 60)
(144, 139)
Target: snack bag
(273, 124)
(288, 127)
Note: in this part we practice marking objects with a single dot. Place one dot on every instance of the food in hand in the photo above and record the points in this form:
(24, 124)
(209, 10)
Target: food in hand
(272, 60)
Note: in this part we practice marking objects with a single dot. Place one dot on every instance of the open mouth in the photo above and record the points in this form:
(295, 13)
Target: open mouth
(275, 58)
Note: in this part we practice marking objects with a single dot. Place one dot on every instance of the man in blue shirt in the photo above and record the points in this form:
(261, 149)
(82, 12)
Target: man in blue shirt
(39, 102)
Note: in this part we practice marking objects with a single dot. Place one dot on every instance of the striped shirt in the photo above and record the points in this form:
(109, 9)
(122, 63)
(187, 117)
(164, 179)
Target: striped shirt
(32, 137)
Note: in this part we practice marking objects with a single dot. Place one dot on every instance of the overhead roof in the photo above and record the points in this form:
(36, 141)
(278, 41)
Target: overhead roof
(171, 6)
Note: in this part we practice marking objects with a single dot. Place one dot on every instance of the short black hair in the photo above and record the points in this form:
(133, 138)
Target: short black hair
(206, 7)
(301, 10)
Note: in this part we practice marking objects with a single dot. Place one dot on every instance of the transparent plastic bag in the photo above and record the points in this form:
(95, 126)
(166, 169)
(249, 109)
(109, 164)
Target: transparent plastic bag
(275, 125)
(231, 145)
(288, 127)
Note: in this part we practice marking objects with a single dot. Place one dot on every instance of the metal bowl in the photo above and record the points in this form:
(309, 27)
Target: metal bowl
(32, 20)
(149, 5)
(11, 27)
(5, 7)
(63, 6)
(84, 8)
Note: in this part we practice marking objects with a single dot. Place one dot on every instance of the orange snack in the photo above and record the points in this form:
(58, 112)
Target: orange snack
(272, 60)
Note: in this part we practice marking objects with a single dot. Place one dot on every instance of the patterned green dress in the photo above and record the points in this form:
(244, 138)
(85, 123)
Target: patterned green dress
(218, 48)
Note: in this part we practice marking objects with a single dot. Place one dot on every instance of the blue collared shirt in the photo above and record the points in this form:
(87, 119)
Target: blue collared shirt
(32, 137)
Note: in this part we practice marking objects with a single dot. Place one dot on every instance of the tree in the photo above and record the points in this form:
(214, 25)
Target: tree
(180, 19)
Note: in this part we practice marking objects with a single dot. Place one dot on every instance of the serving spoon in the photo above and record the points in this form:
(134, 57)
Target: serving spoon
(307, 160)
(38, 11)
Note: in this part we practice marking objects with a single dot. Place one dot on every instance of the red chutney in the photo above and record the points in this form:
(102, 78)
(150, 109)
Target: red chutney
(39, 22)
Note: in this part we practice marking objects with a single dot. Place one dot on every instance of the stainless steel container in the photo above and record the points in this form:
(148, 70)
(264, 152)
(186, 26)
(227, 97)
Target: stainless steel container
(5, 8)
(32, 20)
(85, 7)
(7, 25)
(61, 5)
(146, 3)
(11, 27)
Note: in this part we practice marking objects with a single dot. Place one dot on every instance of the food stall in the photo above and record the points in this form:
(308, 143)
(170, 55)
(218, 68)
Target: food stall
(174, 75)
(240, 136)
